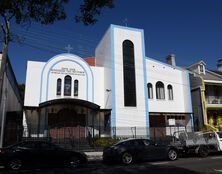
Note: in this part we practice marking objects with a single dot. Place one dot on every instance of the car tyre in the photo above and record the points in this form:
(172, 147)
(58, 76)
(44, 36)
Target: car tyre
(74, 162)
(172, 154)
(127, 158)
(203, 152)
(15, 164)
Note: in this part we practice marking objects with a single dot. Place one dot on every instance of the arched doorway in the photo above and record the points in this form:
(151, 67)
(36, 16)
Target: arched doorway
(67, 123)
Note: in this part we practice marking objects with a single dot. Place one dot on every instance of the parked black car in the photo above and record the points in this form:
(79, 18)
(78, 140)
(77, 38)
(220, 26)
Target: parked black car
(32, 153)
(133, 150)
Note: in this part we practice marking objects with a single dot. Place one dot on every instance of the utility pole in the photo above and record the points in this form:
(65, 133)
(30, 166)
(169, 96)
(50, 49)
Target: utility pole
(3, 117)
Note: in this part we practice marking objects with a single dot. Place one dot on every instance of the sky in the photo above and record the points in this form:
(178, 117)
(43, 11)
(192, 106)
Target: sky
(190, 29)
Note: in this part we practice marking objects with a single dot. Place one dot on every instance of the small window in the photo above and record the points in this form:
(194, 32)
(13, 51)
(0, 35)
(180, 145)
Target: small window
(201, 69)
(59, 87)
(170, 92)
(160, 94)
(76, 87)
(67, 85)
(150, 90)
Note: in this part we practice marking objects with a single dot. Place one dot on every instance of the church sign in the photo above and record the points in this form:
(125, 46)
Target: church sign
(68, 71)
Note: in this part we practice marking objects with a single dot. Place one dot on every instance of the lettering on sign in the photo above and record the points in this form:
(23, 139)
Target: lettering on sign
(68, 71)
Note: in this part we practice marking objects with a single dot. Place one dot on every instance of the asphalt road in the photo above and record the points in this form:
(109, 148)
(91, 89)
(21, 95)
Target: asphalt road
(191, 165)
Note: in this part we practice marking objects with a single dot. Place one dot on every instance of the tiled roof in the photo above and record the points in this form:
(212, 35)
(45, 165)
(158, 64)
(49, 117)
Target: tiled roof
(90, 60)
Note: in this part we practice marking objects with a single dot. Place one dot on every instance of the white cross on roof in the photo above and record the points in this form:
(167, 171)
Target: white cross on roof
(68, 48)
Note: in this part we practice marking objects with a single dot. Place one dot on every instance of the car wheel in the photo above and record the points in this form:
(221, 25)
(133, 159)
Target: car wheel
(74, 162)
(203, 152)
(127, 158)
(172, 154)
(15, 164)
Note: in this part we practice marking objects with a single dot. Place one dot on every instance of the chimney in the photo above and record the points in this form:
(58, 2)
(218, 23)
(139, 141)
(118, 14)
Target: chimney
(219, 65)
(171, 59)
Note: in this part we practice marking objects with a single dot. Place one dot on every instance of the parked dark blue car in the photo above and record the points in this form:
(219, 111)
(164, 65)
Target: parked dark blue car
(32, 153)
(133, 150)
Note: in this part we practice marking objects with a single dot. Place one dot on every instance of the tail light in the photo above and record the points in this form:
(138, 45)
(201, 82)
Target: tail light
(2, 151)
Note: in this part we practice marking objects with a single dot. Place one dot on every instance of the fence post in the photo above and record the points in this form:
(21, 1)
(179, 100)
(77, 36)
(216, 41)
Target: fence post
(135, 131)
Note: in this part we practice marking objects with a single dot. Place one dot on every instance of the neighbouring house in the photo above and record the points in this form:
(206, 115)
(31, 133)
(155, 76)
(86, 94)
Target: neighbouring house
(120, 92)
(11, 107)
(206, 90)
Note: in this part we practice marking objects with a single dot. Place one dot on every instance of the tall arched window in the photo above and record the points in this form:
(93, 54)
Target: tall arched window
(76, 87)
(170, 92)
(150, 90)
(129, 74)
(160, 94)
(59, 87)
(67, 85)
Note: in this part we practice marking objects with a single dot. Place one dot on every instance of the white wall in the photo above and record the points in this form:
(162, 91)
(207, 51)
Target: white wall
(32, 86)
(104, 59)
(157, 71)
(129, 116)
(36, 71)
(99, 86)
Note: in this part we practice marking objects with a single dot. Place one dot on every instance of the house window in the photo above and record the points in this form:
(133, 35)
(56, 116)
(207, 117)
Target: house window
(150, 90)
(202, 69)
(170, 92)
(76, 87)
(129, 74)
(59, 87)
(67, 85)
(160, 94)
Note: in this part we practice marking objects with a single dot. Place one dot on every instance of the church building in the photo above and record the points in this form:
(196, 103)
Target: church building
(120, 92)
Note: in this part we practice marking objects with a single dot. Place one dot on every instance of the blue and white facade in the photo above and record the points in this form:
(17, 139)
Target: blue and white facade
(124, 90)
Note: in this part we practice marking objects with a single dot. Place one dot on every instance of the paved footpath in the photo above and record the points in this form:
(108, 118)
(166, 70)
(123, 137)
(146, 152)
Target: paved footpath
(94, 156)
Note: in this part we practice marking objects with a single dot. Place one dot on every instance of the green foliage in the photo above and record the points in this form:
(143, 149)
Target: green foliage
(105, 141)
(43, 11)
(91, 8)
(49, 11)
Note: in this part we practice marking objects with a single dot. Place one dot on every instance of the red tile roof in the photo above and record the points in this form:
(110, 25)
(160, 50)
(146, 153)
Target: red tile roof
(90, 60)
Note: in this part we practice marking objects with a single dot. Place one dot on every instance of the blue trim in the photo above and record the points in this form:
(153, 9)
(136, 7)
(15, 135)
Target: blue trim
(145, 88)
(113, 122)
(70, 56)
(113, 118)
(126, 28)
(189, 99)
(63, 60)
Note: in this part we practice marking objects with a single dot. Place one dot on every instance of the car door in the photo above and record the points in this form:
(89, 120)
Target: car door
(148, 149)
(48, 153)
(27, 152)
(52, 154)
(153, 150)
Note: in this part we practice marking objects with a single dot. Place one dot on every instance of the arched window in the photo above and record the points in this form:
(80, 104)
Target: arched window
(67, 85)
(76, 87)
(150, 90)
(59, 87)
(160, 94)
(170, 92)
(129, 73)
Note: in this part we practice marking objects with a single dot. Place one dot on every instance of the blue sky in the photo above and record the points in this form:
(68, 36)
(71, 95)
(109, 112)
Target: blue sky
(190, 29)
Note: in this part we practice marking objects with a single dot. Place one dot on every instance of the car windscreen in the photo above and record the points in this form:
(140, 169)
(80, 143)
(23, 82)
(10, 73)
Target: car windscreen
(220, 134)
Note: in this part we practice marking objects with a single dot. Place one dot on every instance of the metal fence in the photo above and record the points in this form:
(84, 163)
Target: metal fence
(83, 138)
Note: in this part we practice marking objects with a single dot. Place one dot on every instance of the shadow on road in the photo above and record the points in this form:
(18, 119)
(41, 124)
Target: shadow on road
(99, 168)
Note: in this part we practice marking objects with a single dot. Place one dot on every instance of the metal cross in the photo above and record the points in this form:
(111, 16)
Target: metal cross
(125, 21)
(68, 48)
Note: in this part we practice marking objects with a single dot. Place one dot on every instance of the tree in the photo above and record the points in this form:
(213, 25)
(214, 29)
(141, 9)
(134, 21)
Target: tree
(44, 12)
